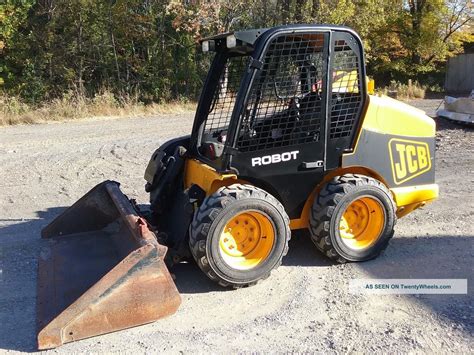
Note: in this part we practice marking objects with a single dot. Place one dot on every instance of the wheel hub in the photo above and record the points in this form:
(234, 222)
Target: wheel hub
(362, 223)
(246, 240)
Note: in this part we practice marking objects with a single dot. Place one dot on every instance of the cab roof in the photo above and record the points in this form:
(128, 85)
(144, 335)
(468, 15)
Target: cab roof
(243, 41)
(247, 36)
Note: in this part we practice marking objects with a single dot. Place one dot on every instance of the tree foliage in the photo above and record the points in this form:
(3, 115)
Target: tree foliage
(147, 47)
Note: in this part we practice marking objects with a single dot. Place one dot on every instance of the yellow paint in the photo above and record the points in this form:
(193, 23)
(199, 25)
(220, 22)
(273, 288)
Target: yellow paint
(303, 221)
(362, 223)
(345, 81)
(409, 159)
(403, 196)
(412, 197)
(206, 177)
(300, 223)
(388, 116)
(370, 85)
(247, 240)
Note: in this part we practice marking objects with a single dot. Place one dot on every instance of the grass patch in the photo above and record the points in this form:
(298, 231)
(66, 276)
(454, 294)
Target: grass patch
(411, 90)
(73, 106)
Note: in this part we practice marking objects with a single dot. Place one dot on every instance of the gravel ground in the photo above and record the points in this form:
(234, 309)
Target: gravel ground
(304, 306)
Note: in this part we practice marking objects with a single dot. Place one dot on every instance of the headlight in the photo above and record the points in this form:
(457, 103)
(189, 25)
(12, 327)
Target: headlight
(231, 41)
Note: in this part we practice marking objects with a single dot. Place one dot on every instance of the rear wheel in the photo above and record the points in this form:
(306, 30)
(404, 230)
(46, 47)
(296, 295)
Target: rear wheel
(352, 218)
(239, 235)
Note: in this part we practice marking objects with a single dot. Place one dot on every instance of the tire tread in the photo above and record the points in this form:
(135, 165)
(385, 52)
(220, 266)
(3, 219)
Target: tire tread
(207, 213)
(325, 205)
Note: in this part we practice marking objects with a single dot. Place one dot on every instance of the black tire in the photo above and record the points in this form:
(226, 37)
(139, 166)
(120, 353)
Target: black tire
(211, 218)
(329, 206)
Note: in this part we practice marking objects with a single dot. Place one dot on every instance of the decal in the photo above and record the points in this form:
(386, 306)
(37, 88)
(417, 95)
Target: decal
(274, 158)
(409, 159)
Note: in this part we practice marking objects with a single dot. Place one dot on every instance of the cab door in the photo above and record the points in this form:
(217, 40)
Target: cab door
(281, 135)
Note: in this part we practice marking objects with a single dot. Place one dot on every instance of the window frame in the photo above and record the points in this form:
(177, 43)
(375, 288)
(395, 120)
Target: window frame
(259, 49)
(264, 102)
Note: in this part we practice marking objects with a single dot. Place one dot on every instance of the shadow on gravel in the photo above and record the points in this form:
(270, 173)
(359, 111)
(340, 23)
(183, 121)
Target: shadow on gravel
(406, 257)
(190, 279)
(431, 257)
(302, 252)
(19, 249)
(20, 244)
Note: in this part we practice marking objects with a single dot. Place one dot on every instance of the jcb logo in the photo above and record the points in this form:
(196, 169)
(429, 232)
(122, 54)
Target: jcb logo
(409, 159)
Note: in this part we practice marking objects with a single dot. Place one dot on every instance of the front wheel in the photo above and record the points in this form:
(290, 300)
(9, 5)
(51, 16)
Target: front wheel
(239, 235)
(352, 218)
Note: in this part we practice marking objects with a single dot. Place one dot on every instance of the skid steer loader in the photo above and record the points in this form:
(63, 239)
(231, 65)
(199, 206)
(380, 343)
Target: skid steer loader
(285, 137)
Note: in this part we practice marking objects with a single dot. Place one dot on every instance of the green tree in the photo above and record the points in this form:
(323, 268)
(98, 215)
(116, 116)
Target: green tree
(13, 16)
(146, 48)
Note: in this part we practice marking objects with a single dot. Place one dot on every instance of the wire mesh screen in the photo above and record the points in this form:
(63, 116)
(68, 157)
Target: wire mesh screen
(346, 91)
(285, 102)
(225, 95)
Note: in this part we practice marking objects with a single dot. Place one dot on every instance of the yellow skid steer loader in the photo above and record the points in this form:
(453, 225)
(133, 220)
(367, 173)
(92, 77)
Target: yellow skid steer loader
(286, 136)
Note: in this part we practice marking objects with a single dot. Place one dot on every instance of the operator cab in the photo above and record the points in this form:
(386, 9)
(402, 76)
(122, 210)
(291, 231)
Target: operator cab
(281, 104)
(267, 90)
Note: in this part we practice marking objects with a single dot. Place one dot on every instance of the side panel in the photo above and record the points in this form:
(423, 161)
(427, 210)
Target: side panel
(206, 177)
(400, 160)
(397, 142)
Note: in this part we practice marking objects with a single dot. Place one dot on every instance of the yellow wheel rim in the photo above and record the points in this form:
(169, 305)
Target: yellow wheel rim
(362, 223)
(247, 240)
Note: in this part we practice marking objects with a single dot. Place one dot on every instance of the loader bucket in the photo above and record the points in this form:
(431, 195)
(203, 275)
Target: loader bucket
(102, 271)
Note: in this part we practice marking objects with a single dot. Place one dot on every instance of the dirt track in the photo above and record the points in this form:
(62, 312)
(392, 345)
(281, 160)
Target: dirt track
(304, 306)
